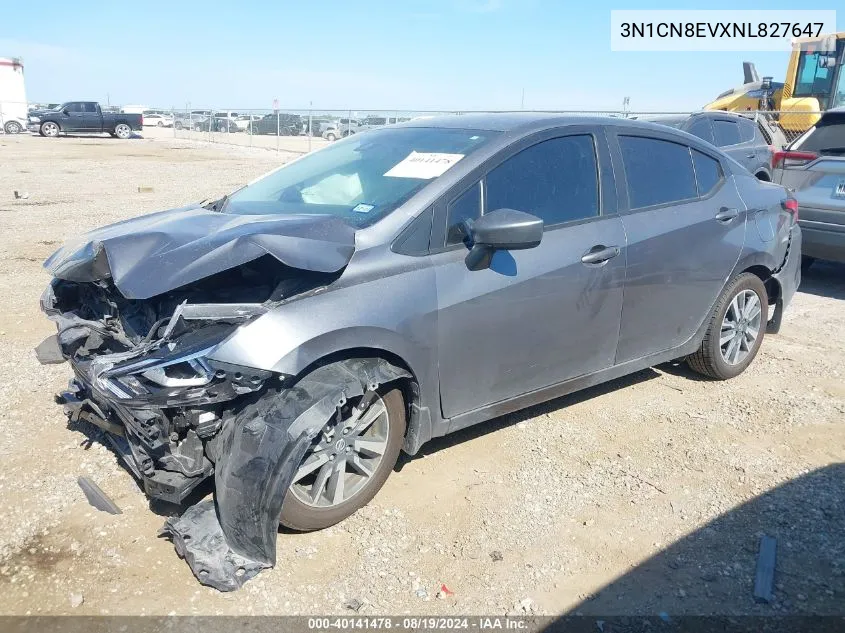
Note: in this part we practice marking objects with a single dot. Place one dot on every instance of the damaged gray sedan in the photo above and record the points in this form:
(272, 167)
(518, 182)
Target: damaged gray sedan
(291, 338)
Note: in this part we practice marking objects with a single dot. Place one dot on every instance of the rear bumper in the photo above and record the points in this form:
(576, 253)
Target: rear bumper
(823, 240)
(789, 275)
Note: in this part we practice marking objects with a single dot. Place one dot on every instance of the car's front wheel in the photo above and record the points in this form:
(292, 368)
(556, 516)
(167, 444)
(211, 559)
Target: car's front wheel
(735, 330)
(347, 463)
(49, 129)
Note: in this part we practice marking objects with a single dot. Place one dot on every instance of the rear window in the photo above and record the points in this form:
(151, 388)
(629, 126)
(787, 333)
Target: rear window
(708, 172)
(658, 172)
(825, 139)
(726, 132)
(700, 127)
(747, 128)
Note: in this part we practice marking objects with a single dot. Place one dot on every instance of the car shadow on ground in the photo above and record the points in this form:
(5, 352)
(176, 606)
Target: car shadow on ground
(496, 424)
(711, 571)
(825, 279)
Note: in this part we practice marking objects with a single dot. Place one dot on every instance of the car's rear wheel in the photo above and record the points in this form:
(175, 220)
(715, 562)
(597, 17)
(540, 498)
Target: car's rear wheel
(160, 124)
(49, 129)
(13, 127)
(735, 331)
(331, 137)
(347, 463)
(121, 130)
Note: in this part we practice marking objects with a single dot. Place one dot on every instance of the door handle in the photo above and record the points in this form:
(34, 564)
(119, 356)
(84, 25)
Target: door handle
(751, 155)
(725, 215)
(599, 254)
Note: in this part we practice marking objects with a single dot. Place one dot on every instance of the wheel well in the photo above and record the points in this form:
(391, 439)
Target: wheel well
(770, 283)
(410, 386)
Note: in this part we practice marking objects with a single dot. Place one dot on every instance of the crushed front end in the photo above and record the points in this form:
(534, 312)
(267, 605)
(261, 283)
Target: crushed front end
(143, 373)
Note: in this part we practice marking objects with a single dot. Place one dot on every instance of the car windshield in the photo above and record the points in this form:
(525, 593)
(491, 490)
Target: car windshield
(360, 179)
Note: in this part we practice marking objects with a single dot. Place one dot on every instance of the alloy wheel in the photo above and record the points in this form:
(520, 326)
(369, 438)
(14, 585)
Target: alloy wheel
(50, 129)
(13, 127)
(344, 456)
(122, 130)
(740, 327)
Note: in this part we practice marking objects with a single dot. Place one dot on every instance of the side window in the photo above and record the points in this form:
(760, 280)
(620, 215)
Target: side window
(726, 132)
(747, 129)
(556, 180)
(657, 171)
(91, 108)
(466, 207)
(74, 107)
(700, 127)
(708, 172)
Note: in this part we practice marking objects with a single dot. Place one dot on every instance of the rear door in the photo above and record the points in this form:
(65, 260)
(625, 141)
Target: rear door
(729, 139)
(92, 120)
(757, 150)
(685, 225)
(539, 316)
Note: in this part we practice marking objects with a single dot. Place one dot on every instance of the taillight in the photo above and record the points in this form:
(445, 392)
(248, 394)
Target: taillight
(142, 120)
(792, 159)
(791, 205)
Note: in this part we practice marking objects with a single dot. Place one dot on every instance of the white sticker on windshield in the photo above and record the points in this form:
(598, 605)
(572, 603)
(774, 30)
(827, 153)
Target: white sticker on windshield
(363, 208)
(423, 165)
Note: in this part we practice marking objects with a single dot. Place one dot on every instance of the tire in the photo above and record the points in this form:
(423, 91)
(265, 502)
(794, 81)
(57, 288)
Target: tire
(806, 263)
(298, 515)
(711, 359)
(49, 129)
(178, 125)
(13, 127)
(160, 124)
(331, 137)
(122, 131)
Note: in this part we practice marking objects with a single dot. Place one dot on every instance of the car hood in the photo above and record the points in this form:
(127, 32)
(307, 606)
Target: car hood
(152, 254)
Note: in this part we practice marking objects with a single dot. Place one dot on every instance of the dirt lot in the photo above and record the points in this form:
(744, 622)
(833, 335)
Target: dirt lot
(645, 495)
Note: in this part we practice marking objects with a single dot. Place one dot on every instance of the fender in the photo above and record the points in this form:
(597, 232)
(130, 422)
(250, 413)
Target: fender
(229, 540)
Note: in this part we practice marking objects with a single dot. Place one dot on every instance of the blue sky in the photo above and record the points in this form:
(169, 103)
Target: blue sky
(364, 54)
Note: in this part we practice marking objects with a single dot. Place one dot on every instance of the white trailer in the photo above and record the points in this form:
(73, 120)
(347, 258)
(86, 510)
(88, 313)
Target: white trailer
(13, 108)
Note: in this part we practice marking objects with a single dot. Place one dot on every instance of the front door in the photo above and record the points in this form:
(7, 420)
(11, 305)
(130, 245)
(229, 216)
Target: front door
(73, 117)
(539, 316)
(686, 229)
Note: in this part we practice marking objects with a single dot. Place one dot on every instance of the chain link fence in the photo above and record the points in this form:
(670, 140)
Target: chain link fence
(302, 131)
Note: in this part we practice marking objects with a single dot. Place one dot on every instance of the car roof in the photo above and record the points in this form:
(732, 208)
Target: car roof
(522, 122)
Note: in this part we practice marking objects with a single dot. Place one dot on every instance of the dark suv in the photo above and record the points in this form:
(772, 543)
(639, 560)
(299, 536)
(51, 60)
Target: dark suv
(747, 141)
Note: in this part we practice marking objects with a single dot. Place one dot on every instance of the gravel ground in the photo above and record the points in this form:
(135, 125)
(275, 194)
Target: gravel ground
(644, 495)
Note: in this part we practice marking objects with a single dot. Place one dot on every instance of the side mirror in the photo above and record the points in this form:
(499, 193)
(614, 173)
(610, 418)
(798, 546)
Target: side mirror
(502, 229)
(66, 112)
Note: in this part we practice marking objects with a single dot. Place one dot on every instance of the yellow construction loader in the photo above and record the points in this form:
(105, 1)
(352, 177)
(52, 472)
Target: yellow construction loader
(815, 82)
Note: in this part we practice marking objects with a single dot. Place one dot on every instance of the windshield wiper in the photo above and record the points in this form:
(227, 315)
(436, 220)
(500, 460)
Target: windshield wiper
(218, 205)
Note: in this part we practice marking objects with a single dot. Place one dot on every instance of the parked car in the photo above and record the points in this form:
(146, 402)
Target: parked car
(371, 122)
(742, 138)
(158, 120)
(86, 117)
(318, 125)
(291, 338)
(341, 129)
(814, 168)
(283, 124)
(244, 120)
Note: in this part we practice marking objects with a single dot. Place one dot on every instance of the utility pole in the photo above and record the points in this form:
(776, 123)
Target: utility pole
(625, 102)
(522, 102)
